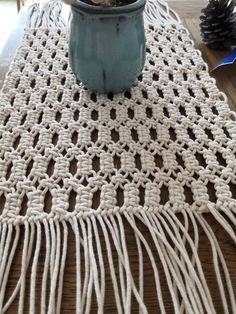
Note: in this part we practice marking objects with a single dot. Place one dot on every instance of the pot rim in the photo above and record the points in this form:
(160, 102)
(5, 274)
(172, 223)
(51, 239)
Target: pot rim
(93, 9)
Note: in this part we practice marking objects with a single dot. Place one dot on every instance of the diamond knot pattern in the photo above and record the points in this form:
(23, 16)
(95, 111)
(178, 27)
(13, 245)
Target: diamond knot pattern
(168, 140)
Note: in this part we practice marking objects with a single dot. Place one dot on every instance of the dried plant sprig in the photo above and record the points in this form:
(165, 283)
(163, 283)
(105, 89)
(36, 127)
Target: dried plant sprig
(104, 3)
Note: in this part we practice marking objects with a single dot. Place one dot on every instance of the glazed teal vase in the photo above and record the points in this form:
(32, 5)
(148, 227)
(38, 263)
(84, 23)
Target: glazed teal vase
(107, 45)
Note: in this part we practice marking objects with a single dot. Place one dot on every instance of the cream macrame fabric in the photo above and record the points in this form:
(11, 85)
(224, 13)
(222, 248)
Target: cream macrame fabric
(74, 160)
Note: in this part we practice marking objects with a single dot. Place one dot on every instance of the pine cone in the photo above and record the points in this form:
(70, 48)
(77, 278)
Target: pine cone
(218, 24)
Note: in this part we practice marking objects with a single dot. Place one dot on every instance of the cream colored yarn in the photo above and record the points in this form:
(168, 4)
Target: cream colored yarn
(162, 147)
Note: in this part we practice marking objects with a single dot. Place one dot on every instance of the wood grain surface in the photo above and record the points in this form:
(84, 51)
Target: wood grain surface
(225, 78)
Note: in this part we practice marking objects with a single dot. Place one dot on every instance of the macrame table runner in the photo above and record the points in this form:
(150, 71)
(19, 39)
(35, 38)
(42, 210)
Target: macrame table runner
(77, 164)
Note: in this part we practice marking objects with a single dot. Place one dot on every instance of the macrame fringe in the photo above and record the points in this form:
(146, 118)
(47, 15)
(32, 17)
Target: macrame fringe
(183, 270)
(159, 12)
(50, 14)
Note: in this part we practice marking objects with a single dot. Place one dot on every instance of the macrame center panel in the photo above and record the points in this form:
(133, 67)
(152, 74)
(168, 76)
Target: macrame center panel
(167, 143)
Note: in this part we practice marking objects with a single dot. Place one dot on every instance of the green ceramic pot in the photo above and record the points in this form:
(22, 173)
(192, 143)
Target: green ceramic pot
(107, 45)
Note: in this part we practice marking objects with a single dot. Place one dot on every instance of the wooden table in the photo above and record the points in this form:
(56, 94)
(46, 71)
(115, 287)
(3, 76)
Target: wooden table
(226, 80)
